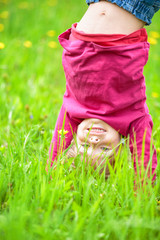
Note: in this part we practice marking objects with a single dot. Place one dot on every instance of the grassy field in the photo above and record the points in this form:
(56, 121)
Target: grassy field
(76, 203)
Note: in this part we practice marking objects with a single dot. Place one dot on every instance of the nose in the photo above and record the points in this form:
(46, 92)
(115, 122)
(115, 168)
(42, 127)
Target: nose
(94, 139)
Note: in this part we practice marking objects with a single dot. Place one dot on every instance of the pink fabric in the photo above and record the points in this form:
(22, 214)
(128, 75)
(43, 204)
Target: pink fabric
(106, 82)
(109, 39)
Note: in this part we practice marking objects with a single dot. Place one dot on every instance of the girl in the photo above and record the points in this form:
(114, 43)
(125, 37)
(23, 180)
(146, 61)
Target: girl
(103, 59)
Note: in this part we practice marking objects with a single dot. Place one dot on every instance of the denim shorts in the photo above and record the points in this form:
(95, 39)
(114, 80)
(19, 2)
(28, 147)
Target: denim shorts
(142, 9)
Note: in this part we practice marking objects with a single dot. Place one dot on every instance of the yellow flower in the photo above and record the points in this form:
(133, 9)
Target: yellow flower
(152, 40)
(4, 1)
(158, 150)
(27, 44)
(51, 33)
(52, 2)
(155, 95)
(52, 44)
(1, 27)
(24, 5)
(101, 195)
(158, 202)
(2, 45)
(4, 14)
(62, 132)
(154, 34)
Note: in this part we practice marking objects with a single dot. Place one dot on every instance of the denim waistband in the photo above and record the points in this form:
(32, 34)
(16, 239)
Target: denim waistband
(142, 9)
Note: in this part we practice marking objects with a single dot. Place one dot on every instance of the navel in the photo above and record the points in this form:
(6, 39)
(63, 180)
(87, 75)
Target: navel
(103, 13)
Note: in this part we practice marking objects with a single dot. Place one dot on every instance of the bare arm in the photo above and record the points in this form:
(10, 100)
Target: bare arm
(142, 148)
(62, 136)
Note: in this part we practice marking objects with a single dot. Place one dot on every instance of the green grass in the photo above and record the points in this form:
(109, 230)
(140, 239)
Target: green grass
(75, 203)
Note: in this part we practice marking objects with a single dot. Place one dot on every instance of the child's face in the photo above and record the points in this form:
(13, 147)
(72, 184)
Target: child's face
(97, 139)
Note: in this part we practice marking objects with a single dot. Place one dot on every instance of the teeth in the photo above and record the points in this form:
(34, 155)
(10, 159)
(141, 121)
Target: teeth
(97, 130)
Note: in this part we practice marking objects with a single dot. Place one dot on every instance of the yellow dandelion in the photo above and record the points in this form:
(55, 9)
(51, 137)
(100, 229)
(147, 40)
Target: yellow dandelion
(4, 1)
(158, 150)
(158, 202)
(24, 5)
(62, 132)
(27, 44)
(1, 27)
(2, 45)
(51, 33)
(155, 95)
(154, 34)
(52, 3)
(152, 40)
(4, 14)
(52, 44)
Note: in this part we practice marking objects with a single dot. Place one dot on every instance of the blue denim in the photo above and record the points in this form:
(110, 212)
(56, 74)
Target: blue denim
(142, 9)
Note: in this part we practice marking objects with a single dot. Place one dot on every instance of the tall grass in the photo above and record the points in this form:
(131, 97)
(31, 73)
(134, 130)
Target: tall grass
(67, 203)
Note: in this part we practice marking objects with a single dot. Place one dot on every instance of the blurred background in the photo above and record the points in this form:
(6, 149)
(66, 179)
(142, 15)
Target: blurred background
(32, 81)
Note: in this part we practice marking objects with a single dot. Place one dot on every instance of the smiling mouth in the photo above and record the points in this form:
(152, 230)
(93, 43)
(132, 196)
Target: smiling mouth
(96, 130)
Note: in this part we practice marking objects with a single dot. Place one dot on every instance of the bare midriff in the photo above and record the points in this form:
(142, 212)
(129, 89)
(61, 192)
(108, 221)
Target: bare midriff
(108, 18)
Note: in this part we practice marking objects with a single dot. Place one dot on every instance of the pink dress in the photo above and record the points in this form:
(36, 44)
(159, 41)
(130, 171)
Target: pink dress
(106, 82)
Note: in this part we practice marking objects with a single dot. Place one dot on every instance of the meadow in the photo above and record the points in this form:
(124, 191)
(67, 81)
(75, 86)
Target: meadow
(66, 203)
